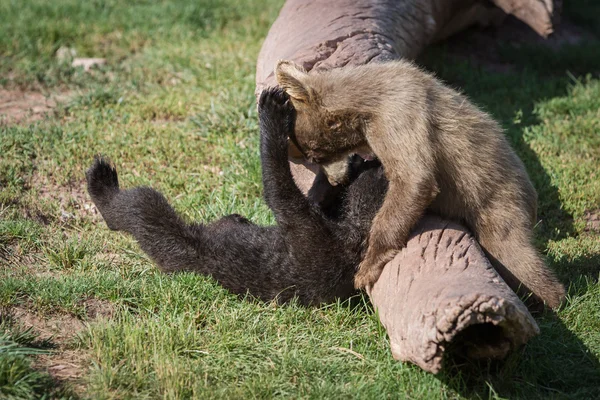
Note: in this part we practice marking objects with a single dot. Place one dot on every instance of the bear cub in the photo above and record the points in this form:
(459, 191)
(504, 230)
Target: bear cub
(311, 254)
(439, 152)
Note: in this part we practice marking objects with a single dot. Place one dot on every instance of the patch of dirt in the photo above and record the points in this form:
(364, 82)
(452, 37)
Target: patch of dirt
(592, 220)
(38, 216)
(110, 258)
(17, 106)
(16, 259)
(72, 198)
(96, 308)
(66, 366)
(58, 328)
(57, 331)
(481, 46)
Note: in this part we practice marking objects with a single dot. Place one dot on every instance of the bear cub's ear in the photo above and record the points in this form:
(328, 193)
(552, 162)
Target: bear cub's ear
(291, 76)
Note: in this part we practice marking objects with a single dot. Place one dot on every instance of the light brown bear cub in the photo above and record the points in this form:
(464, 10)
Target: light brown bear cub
(439, 152)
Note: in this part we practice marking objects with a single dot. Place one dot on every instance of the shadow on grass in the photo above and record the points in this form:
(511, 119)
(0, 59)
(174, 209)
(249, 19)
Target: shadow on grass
(555, 364)
(508, 79)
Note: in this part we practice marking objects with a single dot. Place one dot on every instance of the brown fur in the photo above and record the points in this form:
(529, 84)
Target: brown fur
(439, 151)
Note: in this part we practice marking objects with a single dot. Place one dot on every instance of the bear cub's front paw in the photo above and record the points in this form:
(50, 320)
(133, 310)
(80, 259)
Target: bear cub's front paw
(371, 267)
(276, 112)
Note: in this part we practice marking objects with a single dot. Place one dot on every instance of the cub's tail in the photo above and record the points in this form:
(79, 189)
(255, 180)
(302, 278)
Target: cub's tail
(522, 267)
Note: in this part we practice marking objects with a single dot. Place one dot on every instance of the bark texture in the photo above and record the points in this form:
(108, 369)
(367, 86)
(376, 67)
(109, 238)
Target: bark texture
(440, 292)
(328, 34)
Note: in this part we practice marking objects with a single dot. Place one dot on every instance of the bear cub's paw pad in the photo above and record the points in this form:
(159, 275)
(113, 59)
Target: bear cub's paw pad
(275, 104)
(275, 100)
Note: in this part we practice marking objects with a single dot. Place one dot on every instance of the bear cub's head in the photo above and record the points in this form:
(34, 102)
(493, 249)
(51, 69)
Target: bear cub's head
(327, 130)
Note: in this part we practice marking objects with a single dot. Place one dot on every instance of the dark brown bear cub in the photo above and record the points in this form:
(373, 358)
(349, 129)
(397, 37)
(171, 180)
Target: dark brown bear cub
(311, 254)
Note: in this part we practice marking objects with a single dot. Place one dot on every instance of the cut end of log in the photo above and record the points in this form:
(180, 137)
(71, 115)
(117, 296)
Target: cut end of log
(488, 328)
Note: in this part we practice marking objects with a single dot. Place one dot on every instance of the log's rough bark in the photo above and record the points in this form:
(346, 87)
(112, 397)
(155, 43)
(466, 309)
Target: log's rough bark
(440, 291)
(323, 34)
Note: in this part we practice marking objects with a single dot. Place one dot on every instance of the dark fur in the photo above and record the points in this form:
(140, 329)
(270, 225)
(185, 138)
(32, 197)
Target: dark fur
(312, 253)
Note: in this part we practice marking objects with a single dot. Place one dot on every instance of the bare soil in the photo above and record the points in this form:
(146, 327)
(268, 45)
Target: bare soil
(66, 363)
(71, 197)
(18, 107)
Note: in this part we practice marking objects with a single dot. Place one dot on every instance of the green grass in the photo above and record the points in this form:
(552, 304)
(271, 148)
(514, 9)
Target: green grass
(174, 108)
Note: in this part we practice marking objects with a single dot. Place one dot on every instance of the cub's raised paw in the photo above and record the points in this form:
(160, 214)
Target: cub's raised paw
(102, 180)
(371, 267)
(276, 109)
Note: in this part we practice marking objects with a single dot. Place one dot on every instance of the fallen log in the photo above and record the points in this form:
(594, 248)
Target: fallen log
(440, 291)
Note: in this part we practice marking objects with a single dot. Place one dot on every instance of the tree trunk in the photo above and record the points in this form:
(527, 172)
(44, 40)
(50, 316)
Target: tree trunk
(440, 289)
